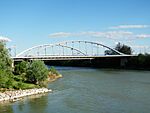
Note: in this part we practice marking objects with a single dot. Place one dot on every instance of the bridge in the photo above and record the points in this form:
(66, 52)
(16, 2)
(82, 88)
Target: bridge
(68, 50)
(75, 53)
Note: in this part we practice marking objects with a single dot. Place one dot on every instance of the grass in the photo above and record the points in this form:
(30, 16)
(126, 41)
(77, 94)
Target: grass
(23, 85)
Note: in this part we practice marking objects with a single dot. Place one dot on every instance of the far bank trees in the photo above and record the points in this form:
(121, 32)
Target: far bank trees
(121, 48)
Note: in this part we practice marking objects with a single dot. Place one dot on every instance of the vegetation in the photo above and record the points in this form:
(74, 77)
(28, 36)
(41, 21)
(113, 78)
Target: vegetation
(121, 48)
(21, 68)
(142, 61)
(53, 74)
(6, 74)
(24, 75)
(53, 71)
(37, 72)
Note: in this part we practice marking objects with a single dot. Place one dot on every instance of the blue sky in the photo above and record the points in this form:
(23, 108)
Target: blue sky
(32, 22)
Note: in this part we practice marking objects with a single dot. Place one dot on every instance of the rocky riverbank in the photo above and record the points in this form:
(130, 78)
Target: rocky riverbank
(53, 77)
(19, 94)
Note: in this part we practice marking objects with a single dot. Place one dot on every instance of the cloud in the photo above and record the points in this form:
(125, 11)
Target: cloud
(143, 36)
(140, 46)
(60, 34)
(108, 34)
(4, 39)
(129, 27)
(114, 35)
(66, 34)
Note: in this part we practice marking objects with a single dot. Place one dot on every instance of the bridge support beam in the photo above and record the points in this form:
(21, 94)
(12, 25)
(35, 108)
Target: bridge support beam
(123, 62)
(12, 64)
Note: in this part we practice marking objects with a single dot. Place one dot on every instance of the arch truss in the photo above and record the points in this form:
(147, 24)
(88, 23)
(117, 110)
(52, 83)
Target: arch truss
(68, 48)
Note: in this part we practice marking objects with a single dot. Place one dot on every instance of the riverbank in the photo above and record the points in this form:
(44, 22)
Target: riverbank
(53, 77)
(19, 94)
(15, 95)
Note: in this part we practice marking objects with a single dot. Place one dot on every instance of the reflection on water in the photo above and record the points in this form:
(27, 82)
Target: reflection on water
(87, 90)
(28, 104)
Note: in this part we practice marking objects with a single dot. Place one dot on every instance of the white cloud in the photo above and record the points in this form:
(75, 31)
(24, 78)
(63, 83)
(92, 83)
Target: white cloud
(66, 34)
(143, 36)
(114, 35)
(60, 34)
(140, 46)
(129, 27)
(4, 39)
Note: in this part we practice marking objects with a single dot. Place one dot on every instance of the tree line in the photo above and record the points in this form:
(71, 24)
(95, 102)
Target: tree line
(141, 61)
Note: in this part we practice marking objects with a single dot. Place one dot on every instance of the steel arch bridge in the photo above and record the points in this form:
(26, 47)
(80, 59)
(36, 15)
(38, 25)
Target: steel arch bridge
(68, 48)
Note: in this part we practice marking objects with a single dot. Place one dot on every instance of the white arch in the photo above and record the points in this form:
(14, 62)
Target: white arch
(94, 43)
(61, 44)
(49, 45)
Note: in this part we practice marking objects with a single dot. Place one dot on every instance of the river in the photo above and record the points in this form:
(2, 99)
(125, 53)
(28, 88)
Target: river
(88, 90)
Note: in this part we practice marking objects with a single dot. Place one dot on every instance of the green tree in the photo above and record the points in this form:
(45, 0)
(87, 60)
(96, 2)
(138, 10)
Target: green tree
(6, 79)
(37, 72)
(5, 60)
(123, 49)
(21, 68)
(110, 52)
(5, 67)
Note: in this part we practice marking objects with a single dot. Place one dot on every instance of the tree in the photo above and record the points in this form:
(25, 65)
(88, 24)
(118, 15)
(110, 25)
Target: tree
(37, 72)
(21, 68)
(5, 60)
(110, 52)
(6, 74)
(123, 49)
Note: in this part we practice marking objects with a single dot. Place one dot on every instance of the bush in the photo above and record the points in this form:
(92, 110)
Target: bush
(5, 60)
(53, 70)
(37, 72)
(3, 78)
(21, 67)
(6, 79)
(6, 76)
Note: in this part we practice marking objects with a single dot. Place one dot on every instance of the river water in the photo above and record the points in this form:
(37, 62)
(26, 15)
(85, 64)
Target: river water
(87, 90)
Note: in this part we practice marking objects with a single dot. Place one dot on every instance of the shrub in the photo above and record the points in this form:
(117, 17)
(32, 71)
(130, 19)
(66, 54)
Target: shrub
(37, 72)
(21, 67)
(53, 70)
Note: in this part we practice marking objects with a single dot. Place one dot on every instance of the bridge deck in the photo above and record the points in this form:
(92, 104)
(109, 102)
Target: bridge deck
(66, 57)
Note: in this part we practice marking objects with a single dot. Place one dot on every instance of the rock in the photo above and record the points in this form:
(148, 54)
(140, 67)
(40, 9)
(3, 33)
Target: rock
(16, 95)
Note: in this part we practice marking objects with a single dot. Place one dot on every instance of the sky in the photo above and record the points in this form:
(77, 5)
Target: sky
(34, 22)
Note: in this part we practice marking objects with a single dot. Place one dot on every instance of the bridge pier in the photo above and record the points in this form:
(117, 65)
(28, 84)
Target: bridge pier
(12, 64)
(123, 62)
(114, 62)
